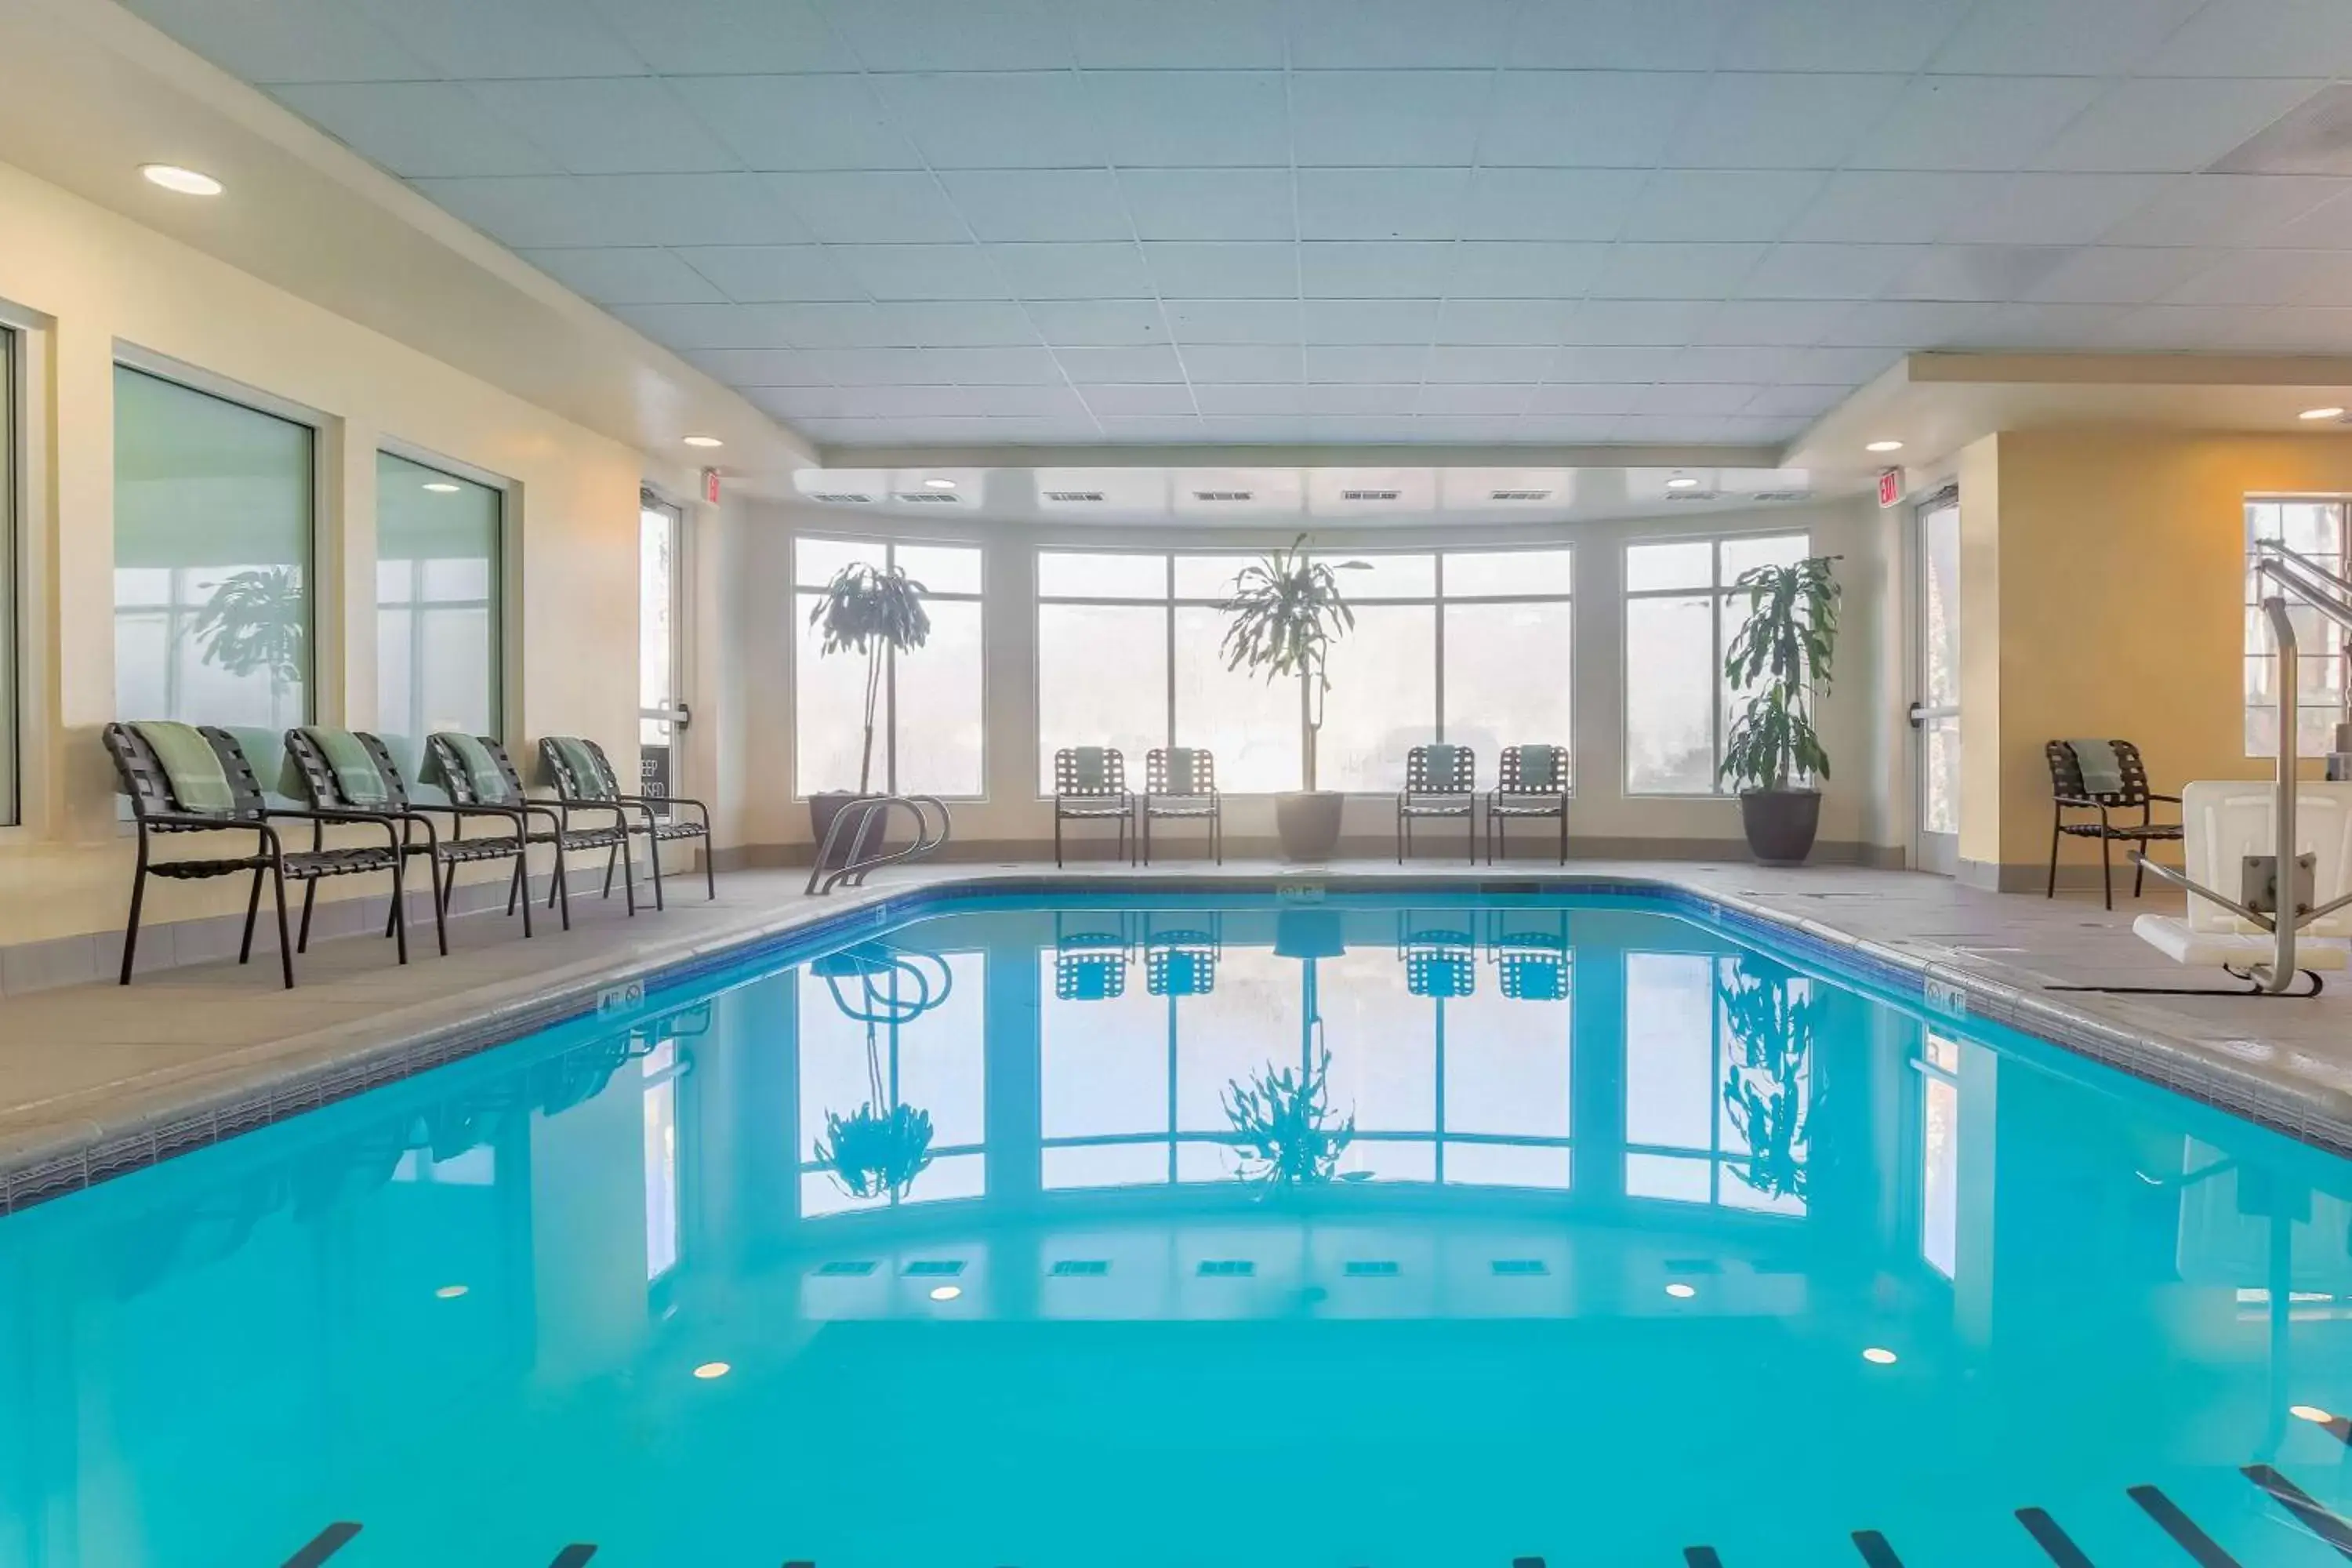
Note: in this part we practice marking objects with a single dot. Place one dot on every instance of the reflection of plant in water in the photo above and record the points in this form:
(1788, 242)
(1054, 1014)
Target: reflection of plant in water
(878, 1149)
(1283, 1122)
(1764, 1093)
(253, 622)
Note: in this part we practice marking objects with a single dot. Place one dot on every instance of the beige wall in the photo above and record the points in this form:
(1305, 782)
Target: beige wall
(89, 284)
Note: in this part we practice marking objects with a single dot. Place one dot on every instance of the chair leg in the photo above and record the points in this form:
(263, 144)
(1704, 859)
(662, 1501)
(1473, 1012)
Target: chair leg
(653, 857)
(2054, 823)
(130, 930)
(709, 870)
(400, 904)
(1563, 833)
(2140, 871)
(628, 874)
(285, 948)
(309, 896)
(1147, 836)
(1470, 835)
(521, 887)
(1057, 836)
(1498, 838)
(252, 911)
(440, 904)
(2107, 870)
(561, 889)
(611, 861)
(393, 922)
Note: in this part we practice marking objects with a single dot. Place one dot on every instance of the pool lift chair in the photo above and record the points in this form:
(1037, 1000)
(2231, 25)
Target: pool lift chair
(2289, 843)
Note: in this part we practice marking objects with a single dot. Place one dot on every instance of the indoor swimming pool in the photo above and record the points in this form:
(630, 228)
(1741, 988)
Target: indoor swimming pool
(1333, 1230)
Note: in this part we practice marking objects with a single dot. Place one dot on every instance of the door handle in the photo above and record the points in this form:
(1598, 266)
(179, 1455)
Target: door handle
(1918, 714)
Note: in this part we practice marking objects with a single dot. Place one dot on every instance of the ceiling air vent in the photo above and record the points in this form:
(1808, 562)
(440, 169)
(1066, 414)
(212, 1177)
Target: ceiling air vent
(1223, 495)
(1369, 495)
(1520, 495)
(840, 498)
(932, 498)
(1690, 495)
(1781, 495)
(1067, 496)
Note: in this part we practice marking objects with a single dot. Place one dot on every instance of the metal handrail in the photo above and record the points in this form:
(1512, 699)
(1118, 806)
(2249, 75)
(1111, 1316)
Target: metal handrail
(855, 870)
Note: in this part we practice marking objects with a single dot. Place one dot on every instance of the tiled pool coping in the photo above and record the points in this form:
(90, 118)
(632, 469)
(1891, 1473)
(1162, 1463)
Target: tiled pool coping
(34, 1170)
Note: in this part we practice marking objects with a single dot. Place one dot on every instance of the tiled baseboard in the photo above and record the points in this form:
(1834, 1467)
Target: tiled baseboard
(1186, 847)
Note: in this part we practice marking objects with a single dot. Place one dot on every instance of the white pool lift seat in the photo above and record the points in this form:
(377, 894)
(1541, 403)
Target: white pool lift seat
(2227, 822)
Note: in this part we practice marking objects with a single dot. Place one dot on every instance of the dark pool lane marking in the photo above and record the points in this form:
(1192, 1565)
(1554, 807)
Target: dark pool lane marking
(323, 1545)
(2314, 1516)
(2056, 1542)
(1701, 1557)
(2182, 1529)
(1874, 1550)
(572, 1555)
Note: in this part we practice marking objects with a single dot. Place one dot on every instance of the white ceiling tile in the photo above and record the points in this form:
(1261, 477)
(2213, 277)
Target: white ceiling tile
(1843, 34)
(1609, 399)
(799, 122)
(1869, 206)
(1366, 363)
(1901, 324)
(921, 271)
(1796, 401)
(1565, 430)
(702, 38)
(1257, 430)
(1369, 320)
(959, 323)
(1227, 271)
(1690, 397)
(1381, 204)
(1523, 268)
(1767, 323)
(621, 209)
(464, 40)
(2185, 328)
(834, 324)
(2259, 37)
(1453, 429)
(994, 119)
(2079, 37)
(1973, 122)
(2203, 209)
(1152, 427)
(1374, 398)
(950, 35)
(1073, 271)
(1114, 401)
(1493, 364)
(1551, 204)
(1668, 429)
(419, 129)
(1240, 363)
(872, 208)
(2304, 329)
(1612, 366)
(707, 326)
(1978, 273)
(1503, 321)
(1852, 366)
(1039, 204)
(1464, 399)
(1100, 322)
(1674, 272)
(2052, 209)
(1810, 271)
(1368, 269)
(2325, 227)
(1240, 399)
(1722, 203)
(1634, 323)
(1001, 367)
(1626, 35)
(286, 40)
(1210, 203)
(2039, 327)
(1590, 118)
(2270, 277)
(1388, 118)
(616, 125)
(1781, 122)
(1032, 402)
(794, 403)
(2170, 127)
(1757, 366)
(1371, 428)
(1054, 431)
(1234, 321)
(1201, 35)
(1353, 35)
(1126, 365)
(2121, 275)
(1191, 118)
(764, 367)
(634, 275)
(904, 402)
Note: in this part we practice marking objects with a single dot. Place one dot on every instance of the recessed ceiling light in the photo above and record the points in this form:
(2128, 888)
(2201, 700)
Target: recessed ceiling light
(1682, 1292)
(451, 1292)
(939, 484)
(1682, 482)
(1884, 446)
(2312, 1413)
(946, 1292)
(1878, 1357)
(703, 441)
(441, 487)
(2321, 413)
(186, 181)
(711, 1369)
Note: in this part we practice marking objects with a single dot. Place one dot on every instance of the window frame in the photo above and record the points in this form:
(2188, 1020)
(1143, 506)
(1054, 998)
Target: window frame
(1436, 601)
(18, 346)
(2341, 503)
(1719, 596)
(886, 722)
(505, 590)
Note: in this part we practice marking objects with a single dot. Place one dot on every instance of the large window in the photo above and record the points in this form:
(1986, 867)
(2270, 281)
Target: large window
(436, 606)
(212, 509)
(1680, 613)
(1471, 647)
(2314, 528)
(928, 725)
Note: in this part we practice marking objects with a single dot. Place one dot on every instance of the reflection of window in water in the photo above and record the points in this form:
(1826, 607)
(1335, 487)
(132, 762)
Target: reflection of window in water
(918, 1022)
(661, 1070)
(474, 1167)
(1688, 1065)
(1940, 1153)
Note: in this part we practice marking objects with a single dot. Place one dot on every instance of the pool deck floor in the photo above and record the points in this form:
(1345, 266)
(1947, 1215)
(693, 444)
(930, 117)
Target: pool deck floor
(83, 1063)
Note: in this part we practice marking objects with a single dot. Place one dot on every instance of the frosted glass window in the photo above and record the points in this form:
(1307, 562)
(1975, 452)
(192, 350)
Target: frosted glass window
(930, 723)
(1064, 575)
(213, 510)
(1509, 573)
(436, 605)
(1102, 681)
(1682, 610)
(1509, 676)
(1249, 723)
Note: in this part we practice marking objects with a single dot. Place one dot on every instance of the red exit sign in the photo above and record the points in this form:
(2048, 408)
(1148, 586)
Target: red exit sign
(1890, 487)
(710, 486)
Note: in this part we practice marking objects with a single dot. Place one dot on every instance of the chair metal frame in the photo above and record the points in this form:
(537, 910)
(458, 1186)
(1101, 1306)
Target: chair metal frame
(1205, 803)
(1511, 797)
(574, 791)
(1111, 800)
(2068, 793)
(1426, 795)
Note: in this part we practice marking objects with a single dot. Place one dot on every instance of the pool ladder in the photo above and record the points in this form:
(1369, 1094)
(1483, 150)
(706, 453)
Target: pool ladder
(863, 813)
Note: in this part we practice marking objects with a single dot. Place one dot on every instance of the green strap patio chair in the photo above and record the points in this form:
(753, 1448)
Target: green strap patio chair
(1090, 785)
(1532, 786)
(462, 775)
(583, 777)
(1440, 781)
(1181, 781)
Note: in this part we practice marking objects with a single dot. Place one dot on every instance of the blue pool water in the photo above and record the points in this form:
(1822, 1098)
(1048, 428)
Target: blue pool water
(1579, 1244)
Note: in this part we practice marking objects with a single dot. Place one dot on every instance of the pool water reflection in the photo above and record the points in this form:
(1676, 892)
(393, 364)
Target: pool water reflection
(1222, 1230)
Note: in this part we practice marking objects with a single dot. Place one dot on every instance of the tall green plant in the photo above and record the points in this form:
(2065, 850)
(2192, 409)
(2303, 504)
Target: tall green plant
(1781, 660)
(1770, 1020)
(254, 620)
(871, 610)
(1286, 612)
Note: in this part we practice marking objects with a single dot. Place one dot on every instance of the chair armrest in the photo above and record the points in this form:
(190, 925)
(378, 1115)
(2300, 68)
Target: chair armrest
(2173, 798)
(2084, 801)
(192, 822)
(389, 821)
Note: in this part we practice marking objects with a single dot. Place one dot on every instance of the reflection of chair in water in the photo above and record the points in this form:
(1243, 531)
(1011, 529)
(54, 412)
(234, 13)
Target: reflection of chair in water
(1181, 961)
(1531, 963)
(1439, 961)
(1091, 965)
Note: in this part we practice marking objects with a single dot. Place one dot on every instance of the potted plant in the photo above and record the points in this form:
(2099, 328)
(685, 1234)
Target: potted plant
(1767, 1094)
(871, 610)
(1286, 611)
(1780, 662)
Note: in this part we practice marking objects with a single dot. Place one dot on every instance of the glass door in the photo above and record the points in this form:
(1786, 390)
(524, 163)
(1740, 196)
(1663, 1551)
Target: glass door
(1936, 715)
(662, 711)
